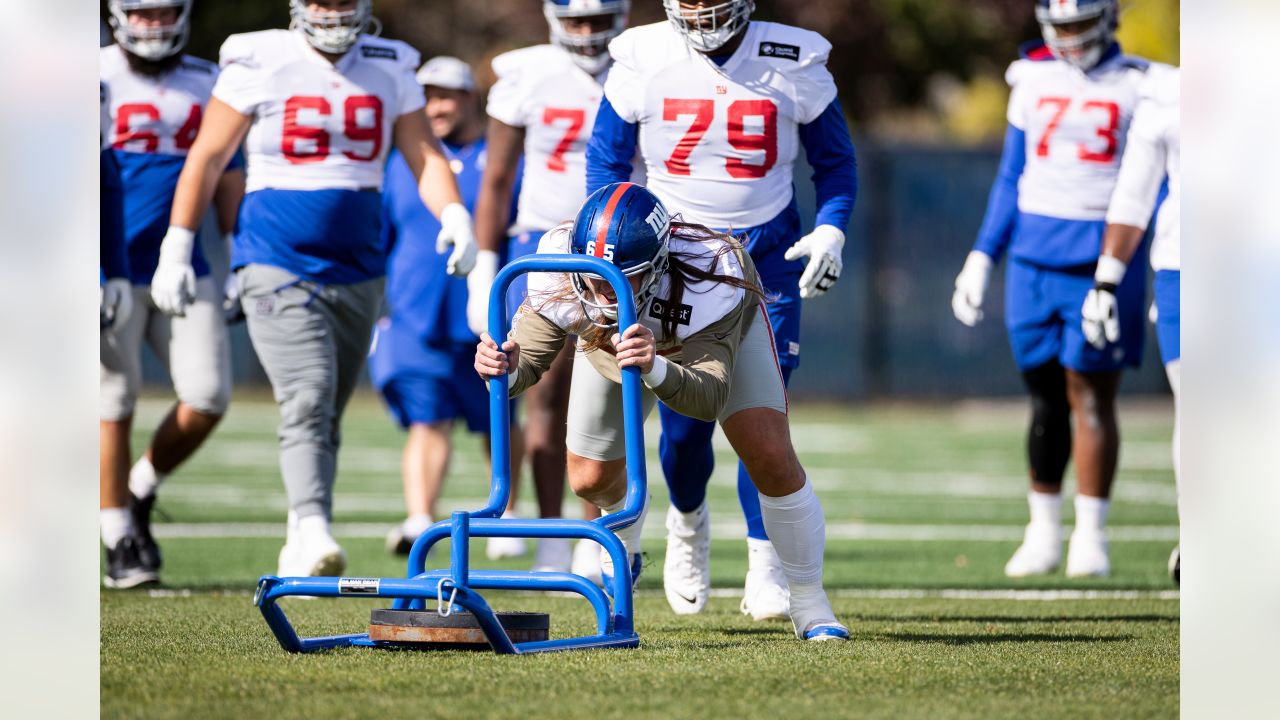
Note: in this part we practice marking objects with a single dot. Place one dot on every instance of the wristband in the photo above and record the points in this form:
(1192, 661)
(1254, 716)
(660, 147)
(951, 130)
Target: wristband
(656, 374)
(1110, 270)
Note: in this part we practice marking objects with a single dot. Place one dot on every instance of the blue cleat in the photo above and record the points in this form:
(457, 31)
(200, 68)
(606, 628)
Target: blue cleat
(826, 631)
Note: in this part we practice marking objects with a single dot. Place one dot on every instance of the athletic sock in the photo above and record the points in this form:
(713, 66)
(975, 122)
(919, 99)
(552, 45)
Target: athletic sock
(1046, 508)
(761, 555)
(415, 525)
(630, 536)
(116, 523)
(143, 479)
(311, 526)
(1091, 513)
(799, 533)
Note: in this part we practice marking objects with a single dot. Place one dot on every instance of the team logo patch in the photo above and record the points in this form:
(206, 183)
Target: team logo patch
(386, 53)
(265, 306)
(778, 50)
(680, 313)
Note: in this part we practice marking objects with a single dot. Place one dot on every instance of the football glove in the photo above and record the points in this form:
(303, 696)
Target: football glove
(971, 286)
(479, 283)
(173, 286)
(232, 309)
(823, 247)
(1100, 314)
(115, 302)
(456, 230)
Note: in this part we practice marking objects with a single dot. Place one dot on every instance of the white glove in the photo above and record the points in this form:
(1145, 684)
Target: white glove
(173, 286)
(232, 310)
(115, 302)
(455, 230)
(1100, 315)
(823, 246)
(971, 285)
(479, 283)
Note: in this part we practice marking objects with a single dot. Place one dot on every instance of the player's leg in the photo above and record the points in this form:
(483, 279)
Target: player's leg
(687, 462)
(546, 407)
(120, 376)
(1035, 337)
(423, 465)
(755, 422)
(1168, 293)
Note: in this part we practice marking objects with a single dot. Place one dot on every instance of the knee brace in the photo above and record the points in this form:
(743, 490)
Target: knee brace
(1049, 437)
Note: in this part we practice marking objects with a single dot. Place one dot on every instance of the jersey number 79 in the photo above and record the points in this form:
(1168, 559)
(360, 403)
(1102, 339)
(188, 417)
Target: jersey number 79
(703, 112)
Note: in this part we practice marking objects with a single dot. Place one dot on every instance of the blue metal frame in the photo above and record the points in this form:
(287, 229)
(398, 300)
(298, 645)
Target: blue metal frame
(458, 585)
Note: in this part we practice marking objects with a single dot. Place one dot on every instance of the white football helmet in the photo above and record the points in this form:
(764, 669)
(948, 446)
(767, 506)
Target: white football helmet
(1085, 49)
(333, 32)
(707, 29)
(589, 52)
(150, 43)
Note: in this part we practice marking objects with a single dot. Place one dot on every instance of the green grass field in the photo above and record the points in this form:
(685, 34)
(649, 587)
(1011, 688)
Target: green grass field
(923, 507)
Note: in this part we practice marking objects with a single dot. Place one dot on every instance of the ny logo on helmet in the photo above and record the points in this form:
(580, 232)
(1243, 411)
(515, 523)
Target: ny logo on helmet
(657, 219)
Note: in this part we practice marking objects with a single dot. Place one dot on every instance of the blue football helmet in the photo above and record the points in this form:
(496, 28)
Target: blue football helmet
(1085, 48)
(708, 28)
(590, 51)
(629, 226)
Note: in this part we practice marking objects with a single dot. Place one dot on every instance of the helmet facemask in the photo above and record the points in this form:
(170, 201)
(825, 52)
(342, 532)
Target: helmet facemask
(150, 43)
(591, 51)
(707, 29)
(605, 315)
(333, 32)
(1082, 50)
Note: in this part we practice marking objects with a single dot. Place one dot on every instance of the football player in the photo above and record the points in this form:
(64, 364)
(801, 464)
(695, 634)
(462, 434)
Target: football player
(115, 301)
(318, 107)
(422, 351)
(720, 106)
(1069, 111)
(158, 98)
(543, 104)
(1152, 153)
(716, 361)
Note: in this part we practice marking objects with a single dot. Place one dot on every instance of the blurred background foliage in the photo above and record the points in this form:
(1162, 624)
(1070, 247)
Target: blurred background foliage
(908, 70)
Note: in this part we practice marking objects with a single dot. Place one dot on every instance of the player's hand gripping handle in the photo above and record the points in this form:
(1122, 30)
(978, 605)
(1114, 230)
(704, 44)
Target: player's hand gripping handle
(1100, 313)
(173, 286)
(971, 286)
(823, 246)
(493, 361)
(456, 230)
(479, 282)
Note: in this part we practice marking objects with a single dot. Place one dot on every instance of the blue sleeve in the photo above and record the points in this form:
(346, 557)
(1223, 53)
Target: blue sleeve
(829, 150)
(113, 254)
(1002, 204)
(611, 148)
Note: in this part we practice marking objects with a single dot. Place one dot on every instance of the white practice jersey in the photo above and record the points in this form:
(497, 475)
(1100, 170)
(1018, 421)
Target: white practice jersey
(719, 142)
(155, 114)
(1154, 153)
(541, 90)
(317, 125)
(104, 110)
(1075, 125)
(703, 302)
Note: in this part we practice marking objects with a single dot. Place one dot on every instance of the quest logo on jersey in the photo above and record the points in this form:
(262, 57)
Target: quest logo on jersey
(680, 313)
(778, 50)
(378, 52)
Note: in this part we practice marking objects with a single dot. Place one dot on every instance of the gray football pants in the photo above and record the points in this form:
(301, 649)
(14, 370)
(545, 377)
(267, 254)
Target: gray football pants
(312, 340)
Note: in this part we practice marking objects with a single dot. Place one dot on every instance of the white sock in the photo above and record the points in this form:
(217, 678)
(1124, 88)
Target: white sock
(687, 522)
(415, 525)
(291, 527)
(143, 479)
(509, 515)
(799, 533)
(1091, 513)
(116, 523)
(1046, 508)
(310, 526)
(630, 536)
(761, 555)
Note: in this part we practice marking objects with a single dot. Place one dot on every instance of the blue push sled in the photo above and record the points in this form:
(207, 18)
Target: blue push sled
(458, 586)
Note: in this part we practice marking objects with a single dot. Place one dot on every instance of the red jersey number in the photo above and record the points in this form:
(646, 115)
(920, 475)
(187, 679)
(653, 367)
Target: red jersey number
(739, 111)
(305, 142)
(1107, 130)
(577, 117)
(132, 120)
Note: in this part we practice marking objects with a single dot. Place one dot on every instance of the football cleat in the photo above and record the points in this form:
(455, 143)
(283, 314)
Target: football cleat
(1087, 555)
(553, 555)
(1039, 554)
(765, 596)
(148, 550)
(813, 618)
(686, 572)
(312, 556)
(586, 561)
(125, 568)
(399, 541)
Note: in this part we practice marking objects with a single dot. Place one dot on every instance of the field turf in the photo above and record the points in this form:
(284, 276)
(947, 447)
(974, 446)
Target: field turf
(923, 506)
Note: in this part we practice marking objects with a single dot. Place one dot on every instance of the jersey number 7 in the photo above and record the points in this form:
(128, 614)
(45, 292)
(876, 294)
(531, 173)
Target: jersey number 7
(703, 112)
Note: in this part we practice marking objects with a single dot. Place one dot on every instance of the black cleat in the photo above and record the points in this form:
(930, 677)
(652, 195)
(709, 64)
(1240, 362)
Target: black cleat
(124, 566)
(148, 550)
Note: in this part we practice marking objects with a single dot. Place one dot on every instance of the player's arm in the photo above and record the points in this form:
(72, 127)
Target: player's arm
(995, 232)
(830, 153)
(611, 148)
(698, 387)
(228, 194)
(438, 189)
(221, 131)
(528, 352)
(503, 145)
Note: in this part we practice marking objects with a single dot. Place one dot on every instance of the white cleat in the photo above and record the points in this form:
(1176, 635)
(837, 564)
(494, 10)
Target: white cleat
(814, 620)
(765, 596)
(686, 572)
(1039, 554)
(1087, 555)
(586, 561)
(553, 555)
(499, 548)
(312, 556)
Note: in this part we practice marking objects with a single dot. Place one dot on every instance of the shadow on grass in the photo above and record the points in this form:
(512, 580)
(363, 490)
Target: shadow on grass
(996, 638)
